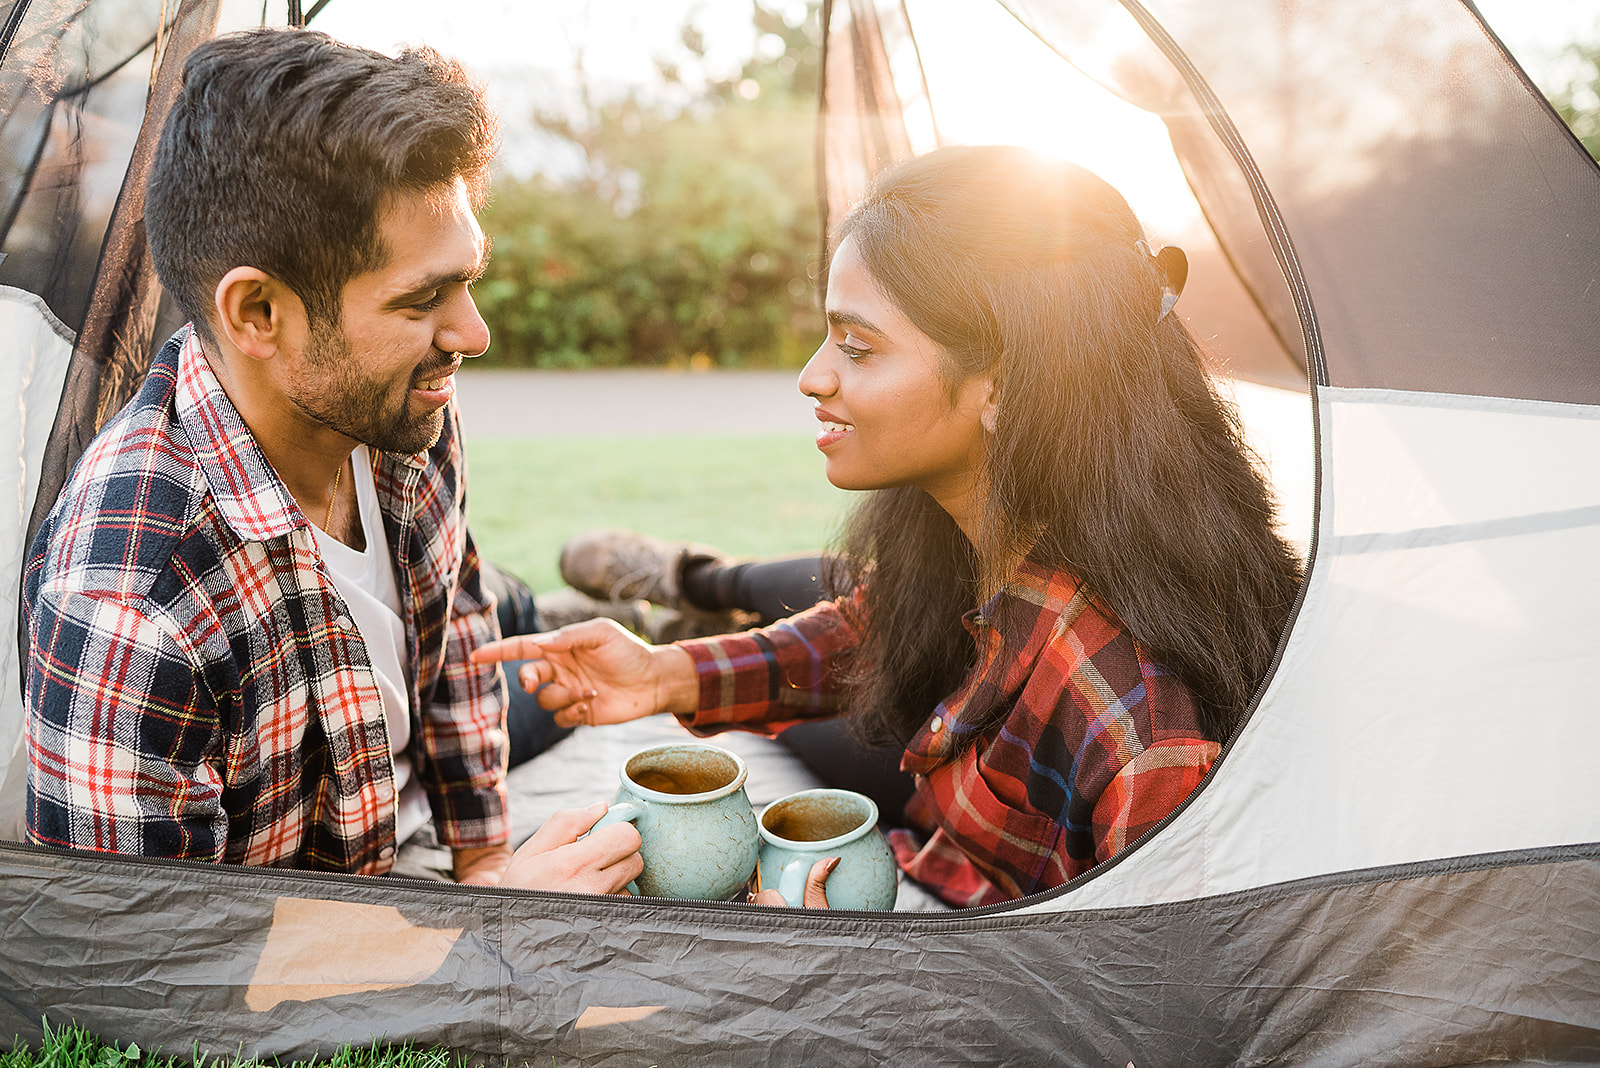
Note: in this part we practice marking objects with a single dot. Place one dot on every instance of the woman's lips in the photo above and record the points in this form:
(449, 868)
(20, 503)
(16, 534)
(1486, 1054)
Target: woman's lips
(832, 430)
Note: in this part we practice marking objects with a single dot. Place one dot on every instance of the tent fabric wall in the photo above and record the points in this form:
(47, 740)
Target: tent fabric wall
(1447, 963)
(114, 348)
(1439, 233)
(1436, 698)
(33, 362)
(1397, 860)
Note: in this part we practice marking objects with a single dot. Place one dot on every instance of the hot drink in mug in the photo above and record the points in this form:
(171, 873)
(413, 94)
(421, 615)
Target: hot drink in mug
(695, 823)
(803, 828)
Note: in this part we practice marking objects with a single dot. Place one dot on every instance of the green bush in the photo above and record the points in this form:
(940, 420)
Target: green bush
(689, 238)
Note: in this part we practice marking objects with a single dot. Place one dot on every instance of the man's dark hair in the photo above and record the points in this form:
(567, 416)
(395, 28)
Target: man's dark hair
(280, 154)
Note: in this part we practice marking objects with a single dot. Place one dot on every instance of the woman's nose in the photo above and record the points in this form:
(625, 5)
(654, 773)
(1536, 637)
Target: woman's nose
(817, 377)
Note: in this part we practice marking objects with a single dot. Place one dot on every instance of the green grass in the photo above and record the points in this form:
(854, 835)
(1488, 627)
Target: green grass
(749, 496)
(72, 1046)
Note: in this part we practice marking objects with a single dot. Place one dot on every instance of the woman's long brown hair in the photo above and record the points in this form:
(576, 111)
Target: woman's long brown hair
(1112, 457)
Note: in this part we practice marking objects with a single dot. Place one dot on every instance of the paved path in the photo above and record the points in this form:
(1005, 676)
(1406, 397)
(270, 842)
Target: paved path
(531, 404)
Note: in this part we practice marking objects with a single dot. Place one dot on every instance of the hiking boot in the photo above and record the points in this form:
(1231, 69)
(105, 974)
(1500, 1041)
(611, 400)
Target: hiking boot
(567, 605)
(664, 626)
(620, 565)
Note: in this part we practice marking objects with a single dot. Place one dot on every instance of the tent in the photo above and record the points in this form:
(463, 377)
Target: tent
(1377, 871)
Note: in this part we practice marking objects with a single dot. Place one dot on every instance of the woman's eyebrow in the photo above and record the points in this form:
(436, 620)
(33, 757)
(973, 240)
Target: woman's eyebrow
(848, 319)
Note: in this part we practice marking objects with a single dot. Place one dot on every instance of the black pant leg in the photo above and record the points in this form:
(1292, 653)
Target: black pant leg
(531, 729)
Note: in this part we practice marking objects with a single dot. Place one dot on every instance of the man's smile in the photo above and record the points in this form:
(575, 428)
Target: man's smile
(438, 380)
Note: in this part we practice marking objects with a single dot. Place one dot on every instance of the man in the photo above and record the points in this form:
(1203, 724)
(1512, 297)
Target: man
(251, 611)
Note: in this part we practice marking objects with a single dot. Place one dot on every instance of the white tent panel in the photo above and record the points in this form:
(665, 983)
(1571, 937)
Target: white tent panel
(1277, 427)
(1445, 461)
(34, 353)
(1437, 697)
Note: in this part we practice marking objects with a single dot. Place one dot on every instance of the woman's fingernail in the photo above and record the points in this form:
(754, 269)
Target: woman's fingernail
(833, 862)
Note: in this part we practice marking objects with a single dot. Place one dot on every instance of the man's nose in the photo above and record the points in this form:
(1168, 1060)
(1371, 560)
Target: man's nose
(465, 331)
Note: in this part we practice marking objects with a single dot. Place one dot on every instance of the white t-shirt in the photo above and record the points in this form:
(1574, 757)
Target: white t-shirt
(366, 582)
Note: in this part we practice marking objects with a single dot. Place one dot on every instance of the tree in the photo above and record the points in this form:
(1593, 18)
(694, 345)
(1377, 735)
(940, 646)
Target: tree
(1578, 103)
(689, 235)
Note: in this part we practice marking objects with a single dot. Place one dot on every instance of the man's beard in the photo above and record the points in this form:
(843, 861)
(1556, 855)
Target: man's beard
(343, 400)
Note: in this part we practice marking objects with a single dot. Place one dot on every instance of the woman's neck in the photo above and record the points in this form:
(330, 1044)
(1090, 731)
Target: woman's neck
(998, 556)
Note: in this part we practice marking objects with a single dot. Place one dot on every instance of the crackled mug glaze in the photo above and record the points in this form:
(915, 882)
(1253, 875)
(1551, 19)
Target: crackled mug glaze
(695, 823)
(803, 828)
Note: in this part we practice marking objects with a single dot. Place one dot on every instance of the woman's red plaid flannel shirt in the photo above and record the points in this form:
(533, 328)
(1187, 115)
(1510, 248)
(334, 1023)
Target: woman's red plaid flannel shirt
(1097, 743)
(196, 687)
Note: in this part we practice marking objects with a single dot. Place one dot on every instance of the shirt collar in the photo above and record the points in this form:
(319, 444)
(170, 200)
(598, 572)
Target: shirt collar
(1033, 589)
(250, 496)
(1011, 631)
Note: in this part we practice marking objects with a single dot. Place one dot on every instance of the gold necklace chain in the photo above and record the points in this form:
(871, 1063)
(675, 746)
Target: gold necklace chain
(333, 496)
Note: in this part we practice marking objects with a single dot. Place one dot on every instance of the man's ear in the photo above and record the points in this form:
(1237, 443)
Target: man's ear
(256, 313)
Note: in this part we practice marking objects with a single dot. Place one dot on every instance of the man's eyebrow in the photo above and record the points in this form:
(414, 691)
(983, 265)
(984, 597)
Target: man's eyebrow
(430, 283)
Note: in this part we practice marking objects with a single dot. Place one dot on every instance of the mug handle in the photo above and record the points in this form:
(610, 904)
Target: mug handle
(792, 881)
(621, 812)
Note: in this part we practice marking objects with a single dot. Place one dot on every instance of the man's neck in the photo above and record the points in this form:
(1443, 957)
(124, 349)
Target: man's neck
(343, 517)
(312, 461)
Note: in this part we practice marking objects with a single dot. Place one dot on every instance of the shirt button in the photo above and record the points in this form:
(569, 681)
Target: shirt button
(343, 622)
(937, 725)
(386, 852)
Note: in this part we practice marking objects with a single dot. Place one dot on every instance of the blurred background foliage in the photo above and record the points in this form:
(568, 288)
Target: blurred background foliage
(688, 233)
(1578, 101)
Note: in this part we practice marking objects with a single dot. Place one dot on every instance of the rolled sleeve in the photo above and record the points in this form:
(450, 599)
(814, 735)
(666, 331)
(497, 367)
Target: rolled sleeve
(769, 679)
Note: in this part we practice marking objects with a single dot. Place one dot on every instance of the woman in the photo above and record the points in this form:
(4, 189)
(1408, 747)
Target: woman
(1065, 587)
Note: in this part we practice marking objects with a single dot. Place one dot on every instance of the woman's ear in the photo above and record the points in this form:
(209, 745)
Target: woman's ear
(989, 415)
(254, 311)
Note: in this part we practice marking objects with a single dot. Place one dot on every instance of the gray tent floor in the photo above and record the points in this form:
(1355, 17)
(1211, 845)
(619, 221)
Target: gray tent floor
(583, 768)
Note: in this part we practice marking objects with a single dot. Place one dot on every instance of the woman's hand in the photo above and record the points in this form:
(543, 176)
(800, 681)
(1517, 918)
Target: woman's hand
(596, 672)
(816, 892)
(555, 859)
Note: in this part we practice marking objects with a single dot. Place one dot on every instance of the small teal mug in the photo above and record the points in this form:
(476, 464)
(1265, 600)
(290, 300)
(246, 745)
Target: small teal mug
(696, 827)
(803, 828)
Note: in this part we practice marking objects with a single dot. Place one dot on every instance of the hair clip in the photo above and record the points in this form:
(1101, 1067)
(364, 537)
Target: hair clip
(1173, 267)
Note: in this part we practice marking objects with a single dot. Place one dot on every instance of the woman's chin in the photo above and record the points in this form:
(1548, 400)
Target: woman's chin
(845, 480)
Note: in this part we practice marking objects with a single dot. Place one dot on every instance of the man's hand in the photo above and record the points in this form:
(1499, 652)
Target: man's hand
(480, 867)
(554, 858)
(596, 672)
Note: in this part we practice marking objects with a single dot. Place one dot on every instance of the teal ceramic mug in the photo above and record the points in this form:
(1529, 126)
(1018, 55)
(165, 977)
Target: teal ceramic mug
(803, 828)
(696, 827)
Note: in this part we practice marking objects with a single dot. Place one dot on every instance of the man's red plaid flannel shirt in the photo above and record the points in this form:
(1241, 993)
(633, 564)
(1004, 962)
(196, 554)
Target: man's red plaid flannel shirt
(1097, 743)
(195, 685)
